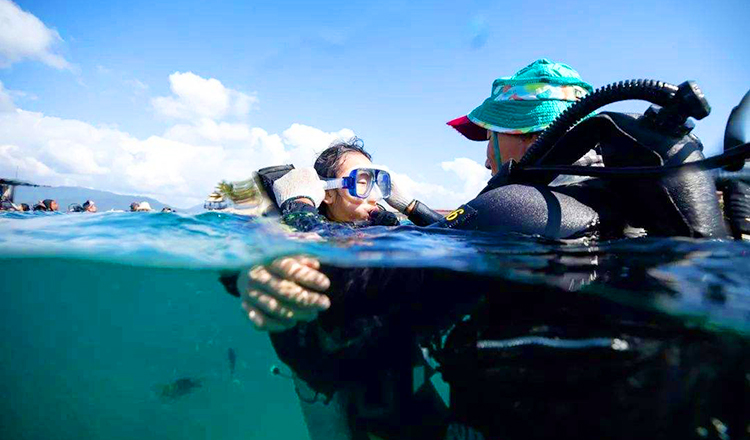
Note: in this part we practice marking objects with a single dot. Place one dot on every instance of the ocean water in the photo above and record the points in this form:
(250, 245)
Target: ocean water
(104, 314)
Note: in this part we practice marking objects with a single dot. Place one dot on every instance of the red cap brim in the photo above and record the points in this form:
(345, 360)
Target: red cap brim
(469, 129)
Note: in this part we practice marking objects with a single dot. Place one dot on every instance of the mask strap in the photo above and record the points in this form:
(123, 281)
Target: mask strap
(496, 148)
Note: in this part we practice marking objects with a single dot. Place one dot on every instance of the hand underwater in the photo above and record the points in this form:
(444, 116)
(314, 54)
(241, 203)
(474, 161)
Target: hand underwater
(277, 296)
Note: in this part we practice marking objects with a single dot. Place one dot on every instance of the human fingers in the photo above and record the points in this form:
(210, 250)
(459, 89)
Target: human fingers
(263, 322)
(278, 309)
(302, 270)
(307, 261)
(293, 294)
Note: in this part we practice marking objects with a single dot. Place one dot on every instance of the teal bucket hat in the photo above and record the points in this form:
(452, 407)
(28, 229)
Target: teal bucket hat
(526, 102)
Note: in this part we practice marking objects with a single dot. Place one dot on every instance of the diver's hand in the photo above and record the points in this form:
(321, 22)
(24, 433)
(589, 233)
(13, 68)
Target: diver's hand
(300, 182)
(277, 296)
(381, 217)
(399, 199)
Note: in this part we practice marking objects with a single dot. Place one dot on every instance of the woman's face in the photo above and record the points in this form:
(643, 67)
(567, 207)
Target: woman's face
(343, 207)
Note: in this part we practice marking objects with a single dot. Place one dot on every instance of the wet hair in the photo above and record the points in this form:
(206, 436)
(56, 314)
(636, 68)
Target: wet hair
(25, 207)
(48, 204)
(328, 162)
(87, 203)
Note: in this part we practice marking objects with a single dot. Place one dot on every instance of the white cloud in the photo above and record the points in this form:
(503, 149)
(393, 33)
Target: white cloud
(23, 36)
(6, 102)
(473, 175)
(196, 98)
(137, 86)
(307, 142)
(182, 165)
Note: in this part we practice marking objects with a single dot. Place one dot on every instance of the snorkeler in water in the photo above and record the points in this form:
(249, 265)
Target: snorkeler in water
(140, 207)
(343, 187)
(48, 205)
(89, 206)
(339, 194)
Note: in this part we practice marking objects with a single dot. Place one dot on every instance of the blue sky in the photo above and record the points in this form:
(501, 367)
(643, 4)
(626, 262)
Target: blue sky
(293, 75)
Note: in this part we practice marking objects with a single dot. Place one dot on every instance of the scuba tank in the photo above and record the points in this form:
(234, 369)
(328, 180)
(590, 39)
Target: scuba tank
(734, 180)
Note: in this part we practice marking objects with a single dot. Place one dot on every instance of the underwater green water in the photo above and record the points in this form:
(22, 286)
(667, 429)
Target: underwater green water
(87, 349)
(104, 314)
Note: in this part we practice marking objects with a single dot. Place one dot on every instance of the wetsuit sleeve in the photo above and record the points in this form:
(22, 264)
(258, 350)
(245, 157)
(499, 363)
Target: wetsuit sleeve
(422, 215)
(305, 218)
(302, 216)
(229, 281)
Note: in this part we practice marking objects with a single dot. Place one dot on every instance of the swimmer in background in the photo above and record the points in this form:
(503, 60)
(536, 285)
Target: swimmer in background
(140, 207)
(47, 205)
(89, 206)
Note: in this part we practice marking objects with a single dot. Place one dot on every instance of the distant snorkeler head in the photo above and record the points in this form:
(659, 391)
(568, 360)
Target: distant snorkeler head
(89, 206)
(50, 205)
(134, 207)
(25, 207)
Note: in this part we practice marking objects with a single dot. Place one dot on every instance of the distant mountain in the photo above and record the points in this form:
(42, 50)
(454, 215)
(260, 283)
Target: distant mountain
(65, 195)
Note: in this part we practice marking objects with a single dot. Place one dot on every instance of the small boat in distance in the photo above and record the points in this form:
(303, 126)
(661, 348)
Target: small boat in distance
(215, 202)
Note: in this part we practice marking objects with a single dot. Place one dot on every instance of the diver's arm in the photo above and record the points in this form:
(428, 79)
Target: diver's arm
(421, 214)
(300, 193)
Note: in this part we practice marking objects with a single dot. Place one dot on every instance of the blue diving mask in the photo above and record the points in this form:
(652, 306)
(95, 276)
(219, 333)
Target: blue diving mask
(361, 181)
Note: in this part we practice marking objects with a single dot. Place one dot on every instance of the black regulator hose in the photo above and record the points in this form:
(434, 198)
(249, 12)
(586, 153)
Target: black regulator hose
(656, 92)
